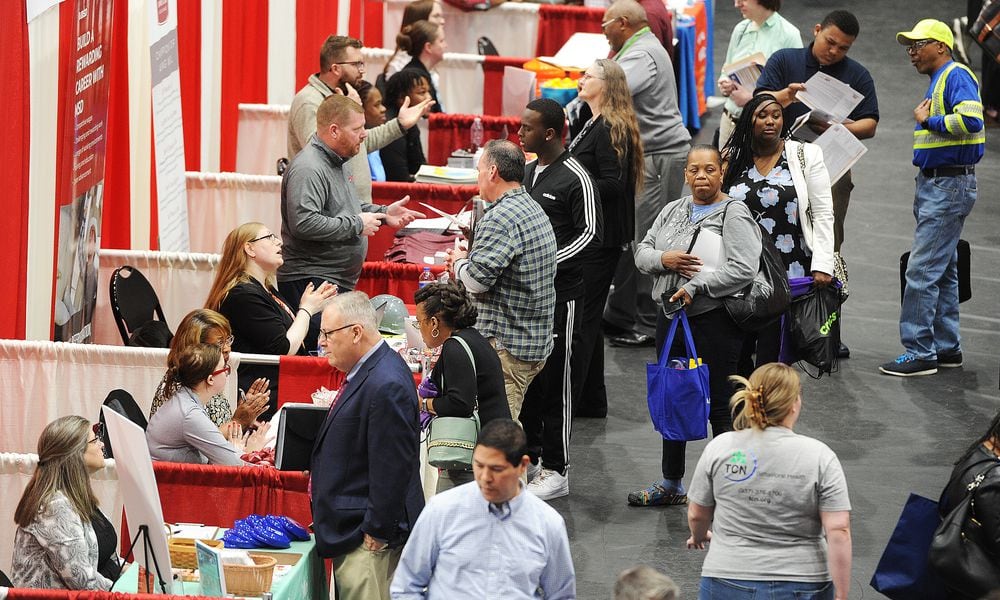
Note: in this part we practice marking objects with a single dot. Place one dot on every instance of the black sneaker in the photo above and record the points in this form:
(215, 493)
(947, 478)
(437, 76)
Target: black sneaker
(949, 360)
(907, 365)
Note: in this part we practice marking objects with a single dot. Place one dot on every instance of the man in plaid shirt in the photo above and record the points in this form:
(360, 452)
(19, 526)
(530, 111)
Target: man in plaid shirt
(510, 270)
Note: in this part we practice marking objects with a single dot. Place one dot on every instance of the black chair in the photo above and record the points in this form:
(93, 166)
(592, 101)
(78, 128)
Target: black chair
(124, 404)
(282, 165)
(5, 581)
(133, 302)
(486, 47)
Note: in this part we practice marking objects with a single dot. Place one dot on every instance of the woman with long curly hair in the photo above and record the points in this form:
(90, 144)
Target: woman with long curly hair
(63, 540)
(609, 148)
(245, 292)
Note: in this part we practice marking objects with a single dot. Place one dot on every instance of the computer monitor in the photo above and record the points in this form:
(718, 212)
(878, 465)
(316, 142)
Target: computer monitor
(298, 426)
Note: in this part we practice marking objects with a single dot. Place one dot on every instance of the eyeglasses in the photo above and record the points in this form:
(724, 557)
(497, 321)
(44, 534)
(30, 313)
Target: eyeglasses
(226, 369)
(609, 22)
(270, 236)
(98, 430)
(324, 334)
(918, 46)
(587, 76)
(226, 342)
(357, 64)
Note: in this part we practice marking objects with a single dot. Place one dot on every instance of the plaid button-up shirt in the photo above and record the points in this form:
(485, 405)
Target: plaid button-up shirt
(513, 255)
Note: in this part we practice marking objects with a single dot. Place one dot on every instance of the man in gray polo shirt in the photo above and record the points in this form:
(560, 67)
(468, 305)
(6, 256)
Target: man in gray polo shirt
(324, 225)
(665, 142)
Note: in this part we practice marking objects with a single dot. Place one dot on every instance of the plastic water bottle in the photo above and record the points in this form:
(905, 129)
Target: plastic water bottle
(426, 278)
(476, 133)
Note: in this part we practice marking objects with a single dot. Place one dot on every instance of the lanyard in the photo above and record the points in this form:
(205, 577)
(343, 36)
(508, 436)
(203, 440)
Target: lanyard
(630, 41)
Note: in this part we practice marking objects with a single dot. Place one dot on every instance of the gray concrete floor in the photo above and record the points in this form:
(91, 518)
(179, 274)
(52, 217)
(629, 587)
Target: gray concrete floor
(892, 435)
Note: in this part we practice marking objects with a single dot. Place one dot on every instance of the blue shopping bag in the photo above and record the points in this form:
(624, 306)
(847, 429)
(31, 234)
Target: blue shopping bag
(678, 398)
(902, 572)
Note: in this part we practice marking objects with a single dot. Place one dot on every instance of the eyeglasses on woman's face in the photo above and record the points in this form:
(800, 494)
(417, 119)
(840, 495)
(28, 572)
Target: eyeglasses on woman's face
(226, 342)
(226, 369)
(269, 236)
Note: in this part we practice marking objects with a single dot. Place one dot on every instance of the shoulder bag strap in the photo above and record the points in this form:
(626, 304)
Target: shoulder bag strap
(472, 359)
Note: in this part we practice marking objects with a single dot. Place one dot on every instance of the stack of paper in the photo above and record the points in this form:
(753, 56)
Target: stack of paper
(451, 175)
(579, 52)
(830, 102)
(745, 71)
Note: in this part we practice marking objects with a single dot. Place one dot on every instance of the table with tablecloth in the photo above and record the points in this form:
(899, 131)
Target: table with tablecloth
(305, 579)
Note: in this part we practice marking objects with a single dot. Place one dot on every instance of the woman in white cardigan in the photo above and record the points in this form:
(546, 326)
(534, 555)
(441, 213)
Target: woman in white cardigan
(787, 188)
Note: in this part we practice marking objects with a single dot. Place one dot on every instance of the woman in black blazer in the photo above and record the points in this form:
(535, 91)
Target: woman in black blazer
(610, 149)
(244, 291)
(424, 42)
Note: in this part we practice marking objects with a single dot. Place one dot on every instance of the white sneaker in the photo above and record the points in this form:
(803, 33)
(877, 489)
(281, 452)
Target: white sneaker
(549, 485)
(533, 471)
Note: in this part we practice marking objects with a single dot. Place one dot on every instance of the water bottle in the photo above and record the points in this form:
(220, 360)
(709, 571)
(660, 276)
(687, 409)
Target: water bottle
(476, 133)
(426, 278)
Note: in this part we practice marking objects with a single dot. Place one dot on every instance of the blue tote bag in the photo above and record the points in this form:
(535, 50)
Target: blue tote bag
(903, 572)
(678, 397)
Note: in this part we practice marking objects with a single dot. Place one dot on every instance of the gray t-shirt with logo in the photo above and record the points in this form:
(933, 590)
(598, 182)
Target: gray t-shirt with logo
(768, 489)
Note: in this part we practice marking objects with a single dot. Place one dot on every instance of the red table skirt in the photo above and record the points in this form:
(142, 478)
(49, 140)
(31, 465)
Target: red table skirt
(398, 279)
(217, 495)
(449, 198)
(447, 133)
(556, 23)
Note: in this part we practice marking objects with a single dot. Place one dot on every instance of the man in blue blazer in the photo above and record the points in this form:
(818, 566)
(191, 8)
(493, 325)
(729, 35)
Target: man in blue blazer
(366, 492)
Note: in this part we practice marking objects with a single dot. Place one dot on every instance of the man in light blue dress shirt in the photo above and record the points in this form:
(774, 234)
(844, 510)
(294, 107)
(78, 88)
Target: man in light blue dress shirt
(488, 539)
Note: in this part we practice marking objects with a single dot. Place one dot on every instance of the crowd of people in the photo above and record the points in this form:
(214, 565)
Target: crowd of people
(591, 238)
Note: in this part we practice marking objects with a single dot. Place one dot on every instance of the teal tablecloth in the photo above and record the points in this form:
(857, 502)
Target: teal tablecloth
(307, 579)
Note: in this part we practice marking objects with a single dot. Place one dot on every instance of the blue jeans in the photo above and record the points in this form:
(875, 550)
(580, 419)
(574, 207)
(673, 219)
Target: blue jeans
(715, 588)
(928, 319)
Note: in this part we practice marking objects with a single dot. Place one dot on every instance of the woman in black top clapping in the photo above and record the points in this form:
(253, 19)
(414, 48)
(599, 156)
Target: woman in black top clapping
(445, 317)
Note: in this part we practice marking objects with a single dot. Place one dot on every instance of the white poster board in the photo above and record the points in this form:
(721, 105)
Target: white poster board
(139, 492)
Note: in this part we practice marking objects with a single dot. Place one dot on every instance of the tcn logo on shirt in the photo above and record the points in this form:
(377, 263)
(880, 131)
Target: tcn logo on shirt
(741, 466)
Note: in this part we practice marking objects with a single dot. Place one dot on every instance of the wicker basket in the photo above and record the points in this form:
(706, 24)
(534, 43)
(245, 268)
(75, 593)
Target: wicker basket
(183, 554)
(250, 581)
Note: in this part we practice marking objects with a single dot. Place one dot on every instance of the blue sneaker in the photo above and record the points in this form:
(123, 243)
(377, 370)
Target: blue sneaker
(907, 365)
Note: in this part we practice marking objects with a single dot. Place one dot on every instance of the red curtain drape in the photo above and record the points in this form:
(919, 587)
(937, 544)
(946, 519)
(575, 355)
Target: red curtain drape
(493, 81)
(398, 279)
(556, 23)
(16, 134)
(300, 376)
(244, 67)
(373, 32)
(449, 198)
(116, 219)
(219, 495)
(447, 133)
(314, 21)
(26, 594)
(189, 59)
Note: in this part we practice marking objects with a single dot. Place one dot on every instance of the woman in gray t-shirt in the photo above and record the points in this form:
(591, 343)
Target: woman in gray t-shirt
(773, 495)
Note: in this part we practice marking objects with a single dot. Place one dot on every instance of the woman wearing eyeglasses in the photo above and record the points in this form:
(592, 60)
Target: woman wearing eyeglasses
(245, 292)
(204, 326)
(181, 431)
(63, 540)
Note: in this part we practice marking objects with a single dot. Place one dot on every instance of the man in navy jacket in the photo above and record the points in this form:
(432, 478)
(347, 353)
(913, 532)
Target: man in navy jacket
(366, 492)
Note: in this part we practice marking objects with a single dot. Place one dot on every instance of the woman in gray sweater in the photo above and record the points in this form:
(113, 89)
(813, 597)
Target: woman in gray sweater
(698, 284)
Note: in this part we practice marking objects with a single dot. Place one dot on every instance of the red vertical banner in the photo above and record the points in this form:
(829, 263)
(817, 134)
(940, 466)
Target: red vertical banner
(315, 20)
(189, 57)
(244, 67)
(14, 152)
(85, 33)
(116, 226)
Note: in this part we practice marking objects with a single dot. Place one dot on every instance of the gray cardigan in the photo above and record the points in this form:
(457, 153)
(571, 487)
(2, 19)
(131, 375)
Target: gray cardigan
(181, 431)
(673, 230)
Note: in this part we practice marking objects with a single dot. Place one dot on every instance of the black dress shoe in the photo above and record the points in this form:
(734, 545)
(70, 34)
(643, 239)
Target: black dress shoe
(843, 351)
(632, 340)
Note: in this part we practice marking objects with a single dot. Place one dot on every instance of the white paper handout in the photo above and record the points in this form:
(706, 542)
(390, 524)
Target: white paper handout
(840, 150)
(580, 51)
(707, 245)
(745, 71)
(824, 94)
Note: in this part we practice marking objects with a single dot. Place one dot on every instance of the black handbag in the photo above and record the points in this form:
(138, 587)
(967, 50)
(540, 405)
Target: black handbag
(958, 553)
(986, 29)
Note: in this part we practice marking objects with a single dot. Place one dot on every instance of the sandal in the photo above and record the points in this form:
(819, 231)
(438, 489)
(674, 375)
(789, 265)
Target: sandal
(656, 495)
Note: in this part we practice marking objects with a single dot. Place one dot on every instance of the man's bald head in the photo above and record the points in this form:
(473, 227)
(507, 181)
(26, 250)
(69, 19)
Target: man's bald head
(622, 20)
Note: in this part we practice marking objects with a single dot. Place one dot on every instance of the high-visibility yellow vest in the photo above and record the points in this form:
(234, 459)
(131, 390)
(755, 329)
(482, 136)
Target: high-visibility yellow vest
(958, 134)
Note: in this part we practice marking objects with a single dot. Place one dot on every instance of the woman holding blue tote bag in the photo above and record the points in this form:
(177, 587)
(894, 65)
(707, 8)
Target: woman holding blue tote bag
(698, 254)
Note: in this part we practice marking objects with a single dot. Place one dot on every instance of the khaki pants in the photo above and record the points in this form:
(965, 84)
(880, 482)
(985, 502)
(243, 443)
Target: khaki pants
(364, 575)
(726, 126)
(517, 374)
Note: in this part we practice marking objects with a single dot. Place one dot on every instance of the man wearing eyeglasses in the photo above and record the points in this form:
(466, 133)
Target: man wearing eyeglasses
(341, 67)
(631, 312)
(366, 492)
(785, 75)
(949, 138)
